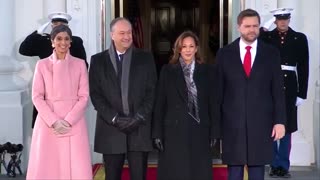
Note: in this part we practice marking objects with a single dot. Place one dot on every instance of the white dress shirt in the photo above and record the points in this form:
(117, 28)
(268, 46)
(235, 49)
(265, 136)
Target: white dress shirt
(243, 50)
(119, 53)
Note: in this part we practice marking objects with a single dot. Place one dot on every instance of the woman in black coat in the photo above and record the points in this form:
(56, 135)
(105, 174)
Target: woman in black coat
(183, 128)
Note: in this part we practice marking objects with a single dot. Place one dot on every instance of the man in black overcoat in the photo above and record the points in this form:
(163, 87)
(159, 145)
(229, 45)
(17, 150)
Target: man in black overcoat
(250, 99)
(122, 84)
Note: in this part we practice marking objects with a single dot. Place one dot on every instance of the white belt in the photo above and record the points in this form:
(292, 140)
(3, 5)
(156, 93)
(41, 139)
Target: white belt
(288, 68)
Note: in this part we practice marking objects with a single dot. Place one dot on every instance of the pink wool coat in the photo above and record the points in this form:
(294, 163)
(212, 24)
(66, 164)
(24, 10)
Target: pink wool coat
(60, 91)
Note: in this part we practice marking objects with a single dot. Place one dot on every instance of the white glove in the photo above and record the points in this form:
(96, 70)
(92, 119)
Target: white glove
(299, 101)
(42, 28)
(268, 23)
(61, 127)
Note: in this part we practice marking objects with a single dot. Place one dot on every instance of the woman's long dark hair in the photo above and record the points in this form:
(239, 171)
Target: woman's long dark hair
(178, 46)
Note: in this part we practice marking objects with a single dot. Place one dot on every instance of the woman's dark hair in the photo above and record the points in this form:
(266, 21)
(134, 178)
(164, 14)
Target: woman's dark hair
(178, 46)
(60, 28)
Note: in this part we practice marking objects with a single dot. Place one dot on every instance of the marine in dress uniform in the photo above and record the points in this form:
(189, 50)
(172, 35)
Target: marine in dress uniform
(39, 43)
(293, 47)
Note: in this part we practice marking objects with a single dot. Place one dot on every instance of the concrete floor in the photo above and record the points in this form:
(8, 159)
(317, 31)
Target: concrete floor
(299, 173)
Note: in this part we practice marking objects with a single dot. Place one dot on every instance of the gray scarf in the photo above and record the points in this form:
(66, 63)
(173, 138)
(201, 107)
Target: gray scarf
(192, 90)
(126, 62)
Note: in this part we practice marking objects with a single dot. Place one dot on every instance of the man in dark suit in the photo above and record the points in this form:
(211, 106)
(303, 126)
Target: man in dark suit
(122, 83)
(39, 44)
(293, 47)
(250, 97)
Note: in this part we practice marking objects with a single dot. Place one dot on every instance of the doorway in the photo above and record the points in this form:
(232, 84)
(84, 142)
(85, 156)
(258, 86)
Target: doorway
(157, 23)
(170, 18)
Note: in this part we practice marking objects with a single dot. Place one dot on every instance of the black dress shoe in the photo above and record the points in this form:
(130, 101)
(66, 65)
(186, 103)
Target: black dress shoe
(283, 173)
(274, 172)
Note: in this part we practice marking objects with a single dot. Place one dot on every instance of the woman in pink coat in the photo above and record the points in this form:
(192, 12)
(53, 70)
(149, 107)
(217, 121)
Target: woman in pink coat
(60, 146)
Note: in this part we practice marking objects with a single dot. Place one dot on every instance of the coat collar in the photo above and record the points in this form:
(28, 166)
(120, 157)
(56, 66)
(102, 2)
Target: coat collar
(275, 32)
(54, 58)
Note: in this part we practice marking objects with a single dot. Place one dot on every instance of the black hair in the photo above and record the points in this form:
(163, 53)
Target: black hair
(178, 46)
(60, 28)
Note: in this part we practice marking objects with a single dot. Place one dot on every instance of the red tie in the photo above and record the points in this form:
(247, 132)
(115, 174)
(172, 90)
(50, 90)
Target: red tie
(247, 61)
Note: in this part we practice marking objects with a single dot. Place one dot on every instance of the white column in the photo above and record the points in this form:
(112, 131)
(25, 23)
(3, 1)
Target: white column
(309, 112)
(13, 89)
(315, 63)
(316, 124)
(85, 23)
(50, 6)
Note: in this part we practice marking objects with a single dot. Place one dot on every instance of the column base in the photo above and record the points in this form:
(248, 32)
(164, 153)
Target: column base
(300, 150)
(316, 124)
(16, 116)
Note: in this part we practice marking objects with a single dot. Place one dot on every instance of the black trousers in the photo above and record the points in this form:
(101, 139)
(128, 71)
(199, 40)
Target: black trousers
(138, 161)
(254, 172)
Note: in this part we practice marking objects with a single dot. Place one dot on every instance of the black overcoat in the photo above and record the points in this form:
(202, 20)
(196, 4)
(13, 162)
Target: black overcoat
(249, 107)
(186, 153)
(106, 99)
(294, 51)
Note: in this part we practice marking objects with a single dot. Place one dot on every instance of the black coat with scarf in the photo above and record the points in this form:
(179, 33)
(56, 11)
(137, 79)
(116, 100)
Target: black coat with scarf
(249, 107)
(106, 98)
(186, 153)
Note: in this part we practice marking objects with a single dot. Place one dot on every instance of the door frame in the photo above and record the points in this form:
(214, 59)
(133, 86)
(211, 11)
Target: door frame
(117, 8)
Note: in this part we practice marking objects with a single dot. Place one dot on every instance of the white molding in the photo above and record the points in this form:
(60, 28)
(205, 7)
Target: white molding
(250, 4)
(50, 6)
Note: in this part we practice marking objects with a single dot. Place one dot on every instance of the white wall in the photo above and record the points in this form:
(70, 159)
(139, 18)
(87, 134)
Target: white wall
(27, 20)
(309, 24)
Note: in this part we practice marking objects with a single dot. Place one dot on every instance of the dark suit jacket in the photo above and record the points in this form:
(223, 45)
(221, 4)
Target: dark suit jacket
(106, 98)
(249, 107)
(294, 52)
